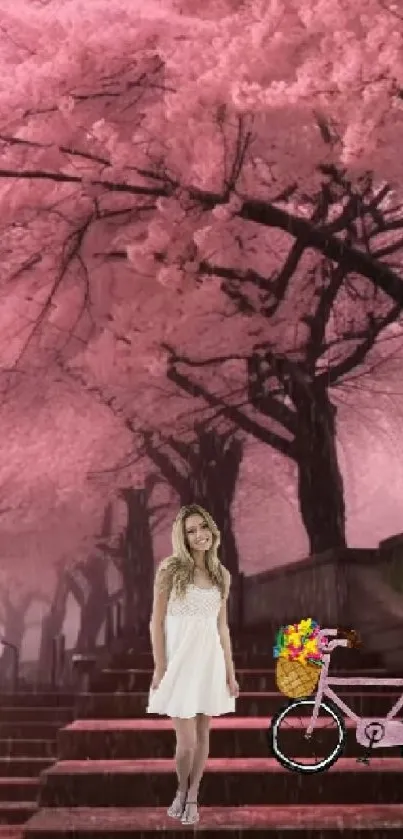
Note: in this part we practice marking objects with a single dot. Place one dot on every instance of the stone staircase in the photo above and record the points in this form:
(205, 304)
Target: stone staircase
(115, 774)
(29, 723)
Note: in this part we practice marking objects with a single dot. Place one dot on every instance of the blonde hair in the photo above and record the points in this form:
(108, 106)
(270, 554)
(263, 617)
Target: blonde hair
(178, 569)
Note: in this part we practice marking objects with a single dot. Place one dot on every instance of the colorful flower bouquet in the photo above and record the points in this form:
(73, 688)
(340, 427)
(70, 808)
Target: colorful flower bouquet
(299, 642)
(299, 658)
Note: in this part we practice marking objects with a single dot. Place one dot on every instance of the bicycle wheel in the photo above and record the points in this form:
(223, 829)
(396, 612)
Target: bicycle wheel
(290, 745)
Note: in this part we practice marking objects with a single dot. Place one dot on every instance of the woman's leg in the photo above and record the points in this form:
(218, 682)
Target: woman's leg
(197, 769)
(184, 755)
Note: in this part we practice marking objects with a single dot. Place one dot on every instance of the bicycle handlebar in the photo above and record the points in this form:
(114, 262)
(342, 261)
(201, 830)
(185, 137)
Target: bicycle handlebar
(347, 638)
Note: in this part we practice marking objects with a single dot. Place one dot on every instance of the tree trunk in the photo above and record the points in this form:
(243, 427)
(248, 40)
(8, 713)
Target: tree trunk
(320, 483)
(94, 608)
(52, 625)
(14, 631)
(137, 562)
(209, 478)
(212, 484)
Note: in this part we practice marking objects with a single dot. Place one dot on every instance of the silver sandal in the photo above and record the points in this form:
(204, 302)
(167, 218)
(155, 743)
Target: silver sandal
(177, 808)
(186, 819)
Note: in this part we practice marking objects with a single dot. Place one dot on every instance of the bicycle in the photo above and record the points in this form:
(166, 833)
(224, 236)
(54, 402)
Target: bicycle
(373, 732)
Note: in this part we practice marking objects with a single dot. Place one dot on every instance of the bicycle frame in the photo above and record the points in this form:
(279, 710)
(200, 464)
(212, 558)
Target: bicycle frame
(324, 689)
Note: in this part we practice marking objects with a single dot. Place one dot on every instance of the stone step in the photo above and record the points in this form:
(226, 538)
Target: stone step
(242, 638)
(31, 699)
(148, 783)
(231, 737)
(250, 680)
(327, 821)
(125, 705)
(255, 638)
(28, 748)
(24, 766)
(18, 789)
(262, 638)
(144, 661)
(57, 714)
(350, 659)
(16, 812)
(29, 730)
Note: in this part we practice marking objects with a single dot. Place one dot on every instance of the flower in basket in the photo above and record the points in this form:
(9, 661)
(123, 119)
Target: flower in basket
(311, 646)
(305, 626)
(299, 658)
(294, 639)
(299, 642)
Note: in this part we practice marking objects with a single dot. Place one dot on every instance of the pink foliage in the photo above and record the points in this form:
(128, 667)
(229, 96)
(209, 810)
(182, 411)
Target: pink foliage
(122, 124)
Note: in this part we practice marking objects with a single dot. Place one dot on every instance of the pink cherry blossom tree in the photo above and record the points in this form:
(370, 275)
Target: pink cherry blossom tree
(158, 158)
(107, 149)
(331, 321)
(87, 581)
(16, 602)
(133, 557)
(52, 622)
(204, 471)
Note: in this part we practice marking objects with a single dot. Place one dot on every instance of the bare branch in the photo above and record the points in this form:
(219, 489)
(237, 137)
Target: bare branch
(264, 402)
(333, 278)
(165, 465)
(305, 231)
(335, 373)
(232, 413)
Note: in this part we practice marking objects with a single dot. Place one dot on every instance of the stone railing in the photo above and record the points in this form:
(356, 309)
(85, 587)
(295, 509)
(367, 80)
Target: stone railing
(346, 587)
(391, 562)
(317, 586)
(378, 614)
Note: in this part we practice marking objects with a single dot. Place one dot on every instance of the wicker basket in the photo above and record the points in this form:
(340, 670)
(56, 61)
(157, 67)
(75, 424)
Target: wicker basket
(295, 679)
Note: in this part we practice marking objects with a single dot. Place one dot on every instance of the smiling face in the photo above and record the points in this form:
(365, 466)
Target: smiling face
(198, 534)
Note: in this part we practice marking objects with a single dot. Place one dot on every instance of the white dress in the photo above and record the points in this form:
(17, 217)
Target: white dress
(195, 678)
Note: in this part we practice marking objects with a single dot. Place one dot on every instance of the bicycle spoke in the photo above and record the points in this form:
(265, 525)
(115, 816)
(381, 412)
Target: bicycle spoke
(291, 745)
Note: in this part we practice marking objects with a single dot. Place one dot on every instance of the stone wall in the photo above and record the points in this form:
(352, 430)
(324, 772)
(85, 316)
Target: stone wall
(318, 587)
(349, 588)
(391, 560)
(378, 613)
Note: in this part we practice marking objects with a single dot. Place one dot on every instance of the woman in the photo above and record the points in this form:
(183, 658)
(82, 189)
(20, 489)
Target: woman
(194, 677)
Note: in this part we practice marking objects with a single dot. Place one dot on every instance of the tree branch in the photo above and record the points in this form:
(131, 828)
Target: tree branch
(76, 591)
(184, 450)
(332, 376)
(318, 321)
(260, 212)
(59, 177)
(230, 412)
(165, 465)
(266, 403)
(353, 260)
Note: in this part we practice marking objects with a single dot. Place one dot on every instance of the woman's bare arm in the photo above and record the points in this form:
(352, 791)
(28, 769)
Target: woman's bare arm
(224, 630)
(159, 610)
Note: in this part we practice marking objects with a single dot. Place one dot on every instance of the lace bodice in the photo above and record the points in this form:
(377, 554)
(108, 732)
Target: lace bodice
(197, 602)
